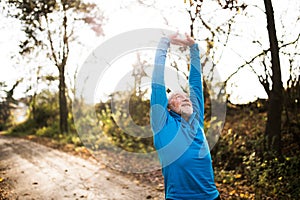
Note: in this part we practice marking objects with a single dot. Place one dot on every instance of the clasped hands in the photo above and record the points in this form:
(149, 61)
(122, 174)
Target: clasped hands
(187, 41)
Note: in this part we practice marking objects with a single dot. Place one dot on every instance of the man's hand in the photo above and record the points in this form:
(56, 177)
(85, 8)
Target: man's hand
(188, 41)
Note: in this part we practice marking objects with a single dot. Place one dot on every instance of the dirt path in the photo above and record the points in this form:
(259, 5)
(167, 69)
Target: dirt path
(38, 172)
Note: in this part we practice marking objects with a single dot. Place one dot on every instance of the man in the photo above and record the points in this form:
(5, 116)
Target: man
(178, 125)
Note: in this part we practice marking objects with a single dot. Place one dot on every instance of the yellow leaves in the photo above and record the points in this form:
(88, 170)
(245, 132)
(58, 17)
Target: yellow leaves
(30, 137)
(245, 196)
(233, 185)
(236, 176)
(82, 150)
(232, 192)
(102, 166)
(1, 179)
(191, 2)
(230, 177)
(160, 187)
(210, 44)
(76, 140)
(235, 193)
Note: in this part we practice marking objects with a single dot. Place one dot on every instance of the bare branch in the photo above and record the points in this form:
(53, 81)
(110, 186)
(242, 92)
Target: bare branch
(264, 52)
(65, 39)
(245, 64)
(51, 42)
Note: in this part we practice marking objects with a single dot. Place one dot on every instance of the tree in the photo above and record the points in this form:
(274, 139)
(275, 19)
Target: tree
(125, 116)
(273, 126)
(49, 25)
(7, 103)
(216, 34)
(265, 65)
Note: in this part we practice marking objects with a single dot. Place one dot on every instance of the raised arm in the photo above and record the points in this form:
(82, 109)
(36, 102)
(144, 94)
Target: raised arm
(195, 82)
(159, 99)
(195, 77)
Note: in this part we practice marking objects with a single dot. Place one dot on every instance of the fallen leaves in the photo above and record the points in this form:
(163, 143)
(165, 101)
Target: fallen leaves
(5, 188)
(160, 187)
(237, 176)
(232, 185)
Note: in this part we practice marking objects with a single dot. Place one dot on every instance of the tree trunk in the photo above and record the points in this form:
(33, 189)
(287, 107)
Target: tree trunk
(63, 109)
(273, 126)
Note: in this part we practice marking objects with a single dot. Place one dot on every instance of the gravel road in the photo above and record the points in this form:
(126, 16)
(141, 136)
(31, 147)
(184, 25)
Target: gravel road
(37, 172)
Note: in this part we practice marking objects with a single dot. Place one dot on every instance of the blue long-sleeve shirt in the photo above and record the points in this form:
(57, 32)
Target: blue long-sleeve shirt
(181, 145)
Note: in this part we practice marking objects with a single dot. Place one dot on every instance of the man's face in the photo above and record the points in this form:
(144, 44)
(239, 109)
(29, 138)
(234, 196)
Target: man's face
(181, 104)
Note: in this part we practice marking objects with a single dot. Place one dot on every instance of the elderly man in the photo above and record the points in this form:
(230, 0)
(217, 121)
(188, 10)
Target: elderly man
(178, 124)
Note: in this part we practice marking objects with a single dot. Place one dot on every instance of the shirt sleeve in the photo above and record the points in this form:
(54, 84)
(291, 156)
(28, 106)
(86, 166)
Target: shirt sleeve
(159, 101)
(196, 83)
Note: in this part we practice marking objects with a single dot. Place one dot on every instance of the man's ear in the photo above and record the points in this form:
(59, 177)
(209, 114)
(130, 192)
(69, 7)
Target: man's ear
(168, 107)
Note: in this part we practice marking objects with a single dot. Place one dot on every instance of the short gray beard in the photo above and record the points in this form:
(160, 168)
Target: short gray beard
(186, 110)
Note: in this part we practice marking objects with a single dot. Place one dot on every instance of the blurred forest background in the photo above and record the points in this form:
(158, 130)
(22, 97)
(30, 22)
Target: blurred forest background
(257, 154)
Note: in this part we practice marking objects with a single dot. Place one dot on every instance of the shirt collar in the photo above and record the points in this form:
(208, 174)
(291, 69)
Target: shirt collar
(175, 115)
(178, 116)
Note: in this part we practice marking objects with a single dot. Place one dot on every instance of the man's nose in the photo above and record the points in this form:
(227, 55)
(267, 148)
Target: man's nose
(186, 99)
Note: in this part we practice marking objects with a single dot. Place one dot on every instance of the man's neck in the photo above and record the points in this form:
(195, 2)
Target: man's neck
(185, 117)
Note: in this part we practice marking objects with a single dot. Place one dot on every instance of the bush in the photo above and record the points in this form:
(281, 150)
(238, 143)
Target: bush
(274, 178)
(117, 126)
(240, 152)
(27, 127)
(43, 119)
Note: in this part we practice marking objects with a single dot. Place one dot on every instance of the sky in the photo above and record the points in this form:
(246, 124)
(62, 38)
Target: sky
(122, 16)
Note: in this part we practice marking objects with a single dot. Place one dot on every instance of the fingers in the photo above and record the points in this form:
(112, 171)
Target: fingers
(176, 40)
(189, 39)
(173, 36)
